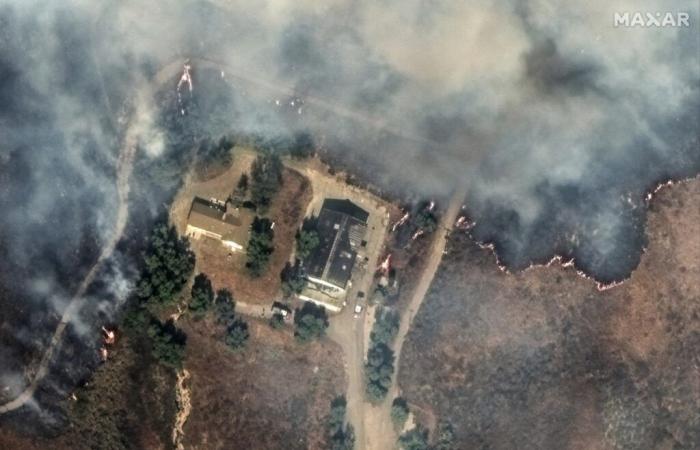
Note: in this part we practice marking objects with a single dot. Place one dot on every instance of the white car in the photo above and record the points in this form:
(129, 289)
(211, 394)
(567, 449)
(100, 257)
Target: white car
(358, 310)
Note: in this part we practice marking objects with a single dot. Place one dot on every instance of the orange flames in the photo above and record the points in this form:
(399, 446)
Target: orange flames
(400, 222)
(570, 262)
(417, 234)
(108, 336)
(385, 265)
(108, 339)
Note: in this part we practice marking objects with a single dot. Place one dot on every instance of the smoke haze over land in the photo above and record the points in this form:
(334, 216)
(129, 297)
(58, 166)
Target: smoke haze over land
(555, 120)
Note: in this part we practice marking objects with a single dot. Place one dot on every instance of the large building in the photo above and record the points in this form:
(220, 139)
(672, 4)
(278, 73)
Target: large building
(216, 220)
(341, 227)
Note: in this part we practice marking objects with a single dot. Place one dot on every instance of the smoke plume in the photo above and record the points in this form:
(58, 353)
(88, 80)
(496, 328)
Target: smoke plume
(556, 121)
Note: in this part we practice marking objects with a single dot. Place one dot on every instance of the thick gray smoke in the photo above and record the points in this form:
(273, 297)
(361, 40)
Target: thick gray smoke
(554, 120)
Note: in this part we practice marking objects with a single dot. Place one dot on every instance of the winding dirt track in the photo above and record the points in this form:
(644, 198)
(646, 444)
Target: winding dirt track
(124, 168)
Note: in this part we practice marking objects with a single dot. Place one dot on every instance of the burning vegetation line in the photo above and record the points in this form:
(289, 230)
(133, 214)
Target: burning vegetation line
(463, 223)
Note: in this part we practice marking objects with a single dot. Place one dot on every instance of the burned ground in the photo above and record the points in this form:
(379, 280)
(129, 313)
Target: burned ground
(274, 394)
(542, 359)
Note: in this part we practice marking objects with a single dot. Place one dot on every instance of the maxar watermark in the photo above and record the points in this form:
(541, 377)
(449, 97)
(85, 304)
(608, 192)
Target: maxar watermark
(651, 20)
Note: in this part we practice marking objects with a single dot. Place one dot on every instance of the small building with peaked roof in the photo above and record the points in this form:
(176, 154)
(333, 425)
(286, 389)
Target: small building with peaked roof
(217, 220)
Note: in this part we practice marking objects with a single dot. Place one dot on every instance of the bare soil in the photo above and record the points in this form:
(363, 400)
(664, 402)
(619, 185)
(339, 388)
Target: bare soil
(543, 360)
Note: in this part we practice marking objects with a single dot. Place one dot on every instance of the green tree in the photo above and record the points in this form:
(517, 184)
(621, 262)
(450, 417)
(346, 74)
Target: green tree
(399, 412)
(167, 343)
(415, 439)
(168, 265)
(310, 322)
(202, 296)
(266, 177)
(225, 307)
(292, 279)
(237, 335)
(260, 246)
(307, 241)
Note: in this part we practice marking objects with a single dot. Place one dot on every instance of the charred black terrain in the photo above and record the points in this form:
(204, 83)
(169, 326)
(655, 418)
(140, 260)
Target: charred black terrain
(543, 360)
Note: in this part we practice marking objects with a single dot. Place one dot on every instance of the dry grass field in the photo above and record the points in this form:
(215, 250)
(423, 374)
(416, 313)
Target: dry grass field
(274, 394)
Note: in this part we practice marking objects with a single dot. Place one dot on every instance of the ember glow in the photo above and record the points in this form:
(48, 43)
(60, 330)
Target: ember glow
(109, 336)
(186, 78)
(400, 222)
(385, 266)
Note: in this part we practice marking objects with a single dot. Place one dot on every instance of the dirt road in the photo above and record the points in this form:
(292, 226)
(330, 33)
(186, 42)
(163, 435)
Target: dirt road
(378, 428)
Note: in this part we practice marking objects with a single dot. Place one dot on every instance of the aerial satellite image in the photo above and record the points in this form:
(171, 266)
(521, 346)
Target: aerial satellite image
(350, 224)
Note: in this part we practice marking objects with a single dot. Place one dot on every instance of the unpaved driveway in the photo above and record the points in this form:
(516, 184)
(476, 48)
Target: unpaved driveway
(379, 430)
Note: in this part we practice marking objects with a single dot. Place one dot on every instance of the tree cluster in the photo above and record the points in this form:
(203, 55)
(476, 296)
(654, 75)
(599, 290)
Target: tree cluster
(341, 434)
(168, 265)
(380, 357)
(266, 179)
(260, 246)
(237, 333)
(310, 322)
(167, 343)
(378, 371)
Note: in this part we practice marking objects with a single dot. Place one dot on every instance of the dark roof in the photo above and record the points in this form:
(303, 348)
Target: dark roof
(341, 227)
(213, 217)
(345, 206)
